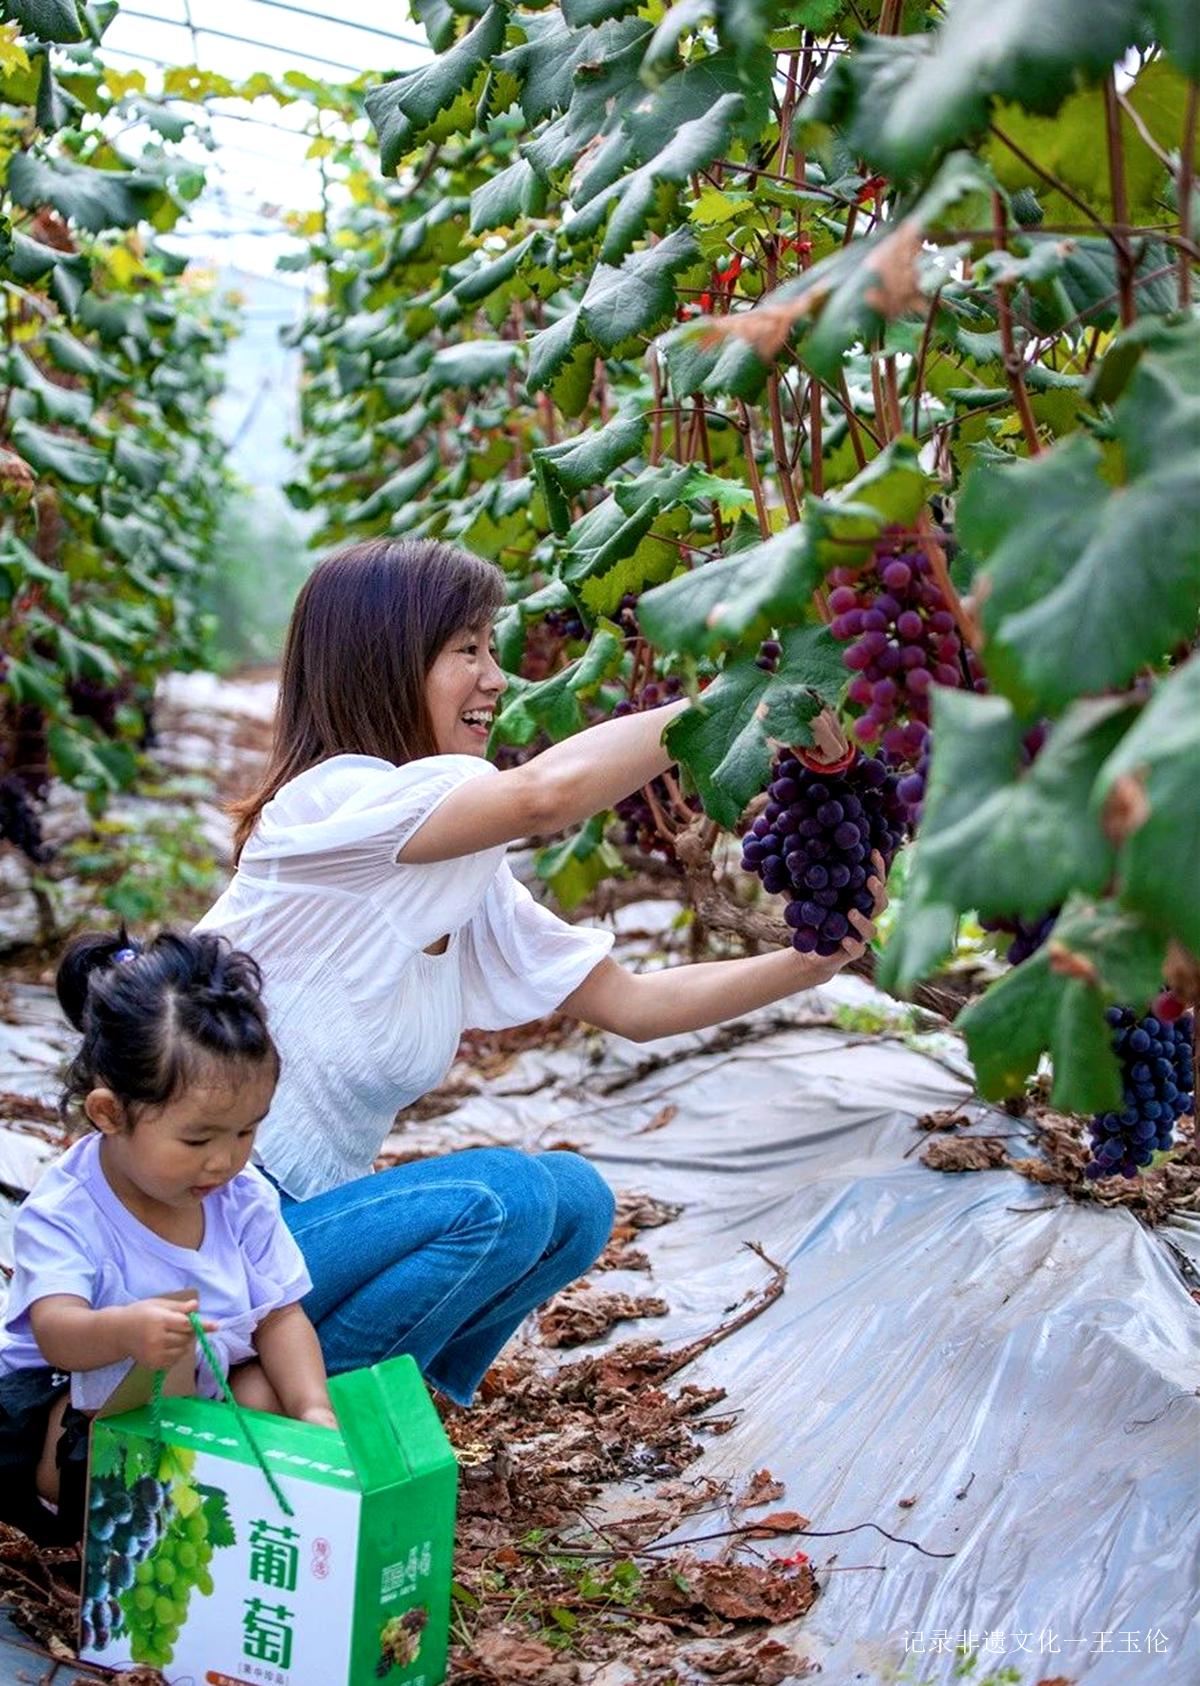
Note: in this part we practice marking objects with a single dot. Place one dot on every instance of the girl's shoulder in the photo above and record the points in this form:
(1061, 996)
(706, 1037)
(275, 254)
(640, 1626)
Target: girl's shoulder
(63, 1194)
(248, 1199)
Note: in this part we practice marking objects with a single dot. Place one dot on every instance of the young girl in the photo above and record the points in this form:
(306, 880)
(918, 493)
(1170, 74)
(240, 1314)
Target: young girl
(155, 1213)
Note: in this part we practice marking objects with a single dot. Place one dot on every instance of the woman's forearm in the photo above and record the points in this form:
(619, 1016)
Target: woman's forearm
(597, 767)
(645, 1005)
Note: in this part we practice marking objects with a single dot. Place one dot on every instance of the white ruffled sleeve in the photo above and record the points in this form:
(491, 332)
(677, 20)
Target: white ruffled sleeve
(519, 960)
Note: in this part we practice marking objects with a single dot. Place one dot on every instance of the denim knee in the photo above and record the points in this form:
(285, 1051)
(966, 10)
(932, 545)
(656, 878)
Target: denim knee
(586, 1207)
(528, 1198)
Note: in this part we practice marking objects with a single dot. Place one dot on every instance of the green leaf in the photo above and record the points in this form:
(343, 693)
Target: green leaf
(439, 22)
(55, 403)
(693, 146)
(1055, 543)
(550, 349)
(1039, 1005)
(574, 465)
(395, 492)
(473, 364)
(95, 199)
(727, 738)
(215, 1504)
(736, 601)
(900, 101)
(59, 455)
(574, 867)
(403, 109)
(1001, 838)
(139, 464)
(1158, 867)
(693, 92)
(620, 304)
(553, 705)
(730, 367)
(48, 20)
(502, 199)
(31, 682)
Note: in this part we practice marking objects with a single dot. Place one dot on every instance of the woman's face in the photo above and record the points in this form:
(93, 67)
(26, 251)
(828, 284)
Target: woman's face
(461, 689)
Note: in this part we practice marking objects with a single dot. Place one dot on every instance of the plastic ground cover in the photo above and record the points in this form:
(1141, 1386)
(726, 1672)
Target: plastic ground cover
(1023, 1368)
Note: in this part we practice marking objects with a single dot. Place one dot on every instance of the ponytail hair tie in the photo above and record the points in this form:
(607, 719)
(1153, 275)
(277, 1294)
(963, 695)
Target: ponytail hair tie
(123, 954)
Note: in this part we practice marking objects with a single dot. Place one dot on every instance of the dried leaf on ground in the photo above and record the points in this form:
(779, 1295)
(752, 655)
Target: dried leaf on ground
(734, 1592)
(761, 1489)
(661, 1118)
(779, 1522)
(964, 1153)
(514, 1657)
(945, 1118)
(758, 1662)
(579, 1314)
(643, 1211)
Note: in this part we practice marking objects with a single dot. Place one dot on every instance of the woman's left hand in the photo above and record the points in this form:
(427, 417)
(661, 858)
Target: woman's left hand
(864, 924)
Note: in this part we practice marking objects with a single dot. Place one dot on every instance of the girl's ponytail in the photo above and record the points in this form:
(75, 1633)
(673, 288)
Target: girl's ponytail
(155, 1019)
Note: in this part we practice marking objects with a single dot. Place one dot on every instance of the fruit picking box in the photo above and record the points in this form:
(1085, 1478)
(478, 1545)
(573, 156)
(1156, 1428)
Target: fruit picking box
(192, 1566)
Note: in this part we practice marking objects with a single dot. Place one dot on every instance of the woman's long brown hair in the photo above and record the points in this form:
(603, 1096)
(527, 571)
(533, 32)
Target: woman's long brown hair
(367, 626)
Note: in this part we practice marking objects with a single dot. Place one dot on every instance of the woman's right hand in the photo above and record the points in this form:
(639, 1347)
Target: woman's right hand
(157, 1332)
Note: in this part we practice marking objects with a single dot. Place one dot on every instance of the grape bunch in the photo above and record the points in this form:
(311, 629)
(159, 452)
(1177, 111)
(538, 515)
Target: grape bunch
(626, 614)
(21, 820)
(902, 641)
(813, 842)
(1027, 935)
(641, 829)
(123, 1527)
(155, 1605)
(92, 700)
(400, 1640)
(1157, 1075)
(565, 623)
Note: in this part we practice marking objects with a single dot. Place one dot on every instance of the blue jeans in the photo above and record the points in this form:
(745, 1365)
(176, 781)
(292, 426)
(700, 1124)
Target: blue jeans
(443, 1258)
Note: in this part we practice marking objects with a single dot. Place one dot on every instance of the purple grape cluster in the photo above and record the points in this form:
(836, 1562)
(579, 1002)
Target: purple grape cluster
(1027, 935)
(565, 623)
(1157, 1077)
(94, 701)
(21, 820)
(813, 842)
(640, 827)
(902, 640)
(626, 614)
(769, 652)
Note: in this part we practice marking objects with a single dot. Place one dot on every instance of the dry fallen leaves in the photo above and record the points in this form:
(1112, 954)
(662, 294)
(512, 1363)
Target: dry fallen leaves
(964, 1153)
(579, 1314)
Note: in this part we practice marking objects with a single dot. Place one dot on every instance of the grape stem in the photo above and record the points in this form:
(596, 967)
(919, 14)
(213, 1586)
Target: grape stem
(940, 568)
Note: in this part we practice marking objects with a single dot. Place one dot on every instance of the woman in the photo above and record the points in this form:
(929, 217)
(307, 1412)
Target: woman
(372, 889)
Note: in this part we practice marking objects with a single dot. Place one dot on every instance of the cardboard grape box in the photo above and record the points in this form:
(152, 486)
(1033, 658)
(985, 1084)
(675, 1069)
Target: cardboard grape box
(191, 1565)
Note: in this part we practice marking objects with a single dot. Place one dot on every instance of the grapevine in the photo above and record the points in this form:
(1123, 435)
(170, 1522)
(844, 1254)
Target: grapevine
(644, 811)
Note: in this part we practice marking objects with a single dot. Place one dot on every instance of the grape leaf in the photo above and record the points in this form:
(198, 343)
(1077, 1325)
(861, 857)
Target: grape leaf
(574, 465)
(1054, 542)
(574, 867)
(553, 704)
(634, 299)
(1158, 867)
(404, 108)
(95, 199)
(470, 363)
(1002, 839)
(215, 1504)
(500, 200)
(736, 600)
(727, 738)
(48, 20)
(690, 148)
(1050, 1002)
(58, 454)
(900, 101)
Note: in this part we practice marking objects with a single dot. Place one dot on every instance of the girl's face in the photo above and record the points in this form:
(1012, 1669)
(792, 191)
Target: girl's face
(461, 691)
(178, 1153)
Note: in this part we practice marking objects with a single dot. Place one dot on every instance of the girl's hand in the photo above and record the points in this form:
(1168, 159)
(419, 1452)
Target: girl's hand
(322, 1415)
(157, 1332)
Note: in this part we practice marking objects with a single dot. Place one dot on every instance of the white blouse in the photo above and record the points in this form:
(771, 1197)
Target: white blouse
(364, 1020)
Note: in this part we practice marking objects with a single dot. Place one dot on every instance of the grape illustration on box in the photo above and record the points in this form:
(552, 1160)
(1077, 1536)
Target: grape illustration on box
(151, 1534)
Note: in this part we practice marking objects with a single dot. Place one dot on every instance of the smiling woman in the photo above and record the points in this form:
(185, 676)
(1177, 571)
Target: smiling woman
(373, 891)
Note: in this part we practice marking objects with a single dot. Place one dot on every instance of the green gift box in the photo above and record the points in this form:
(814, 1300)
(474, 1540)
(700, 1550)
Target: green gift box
(192, 1565)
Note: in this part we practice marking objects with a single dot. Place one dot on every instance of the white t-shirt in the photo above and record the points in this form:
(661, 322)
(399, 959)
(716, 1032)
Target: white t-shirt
(74, 1236)
(364, 1020)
